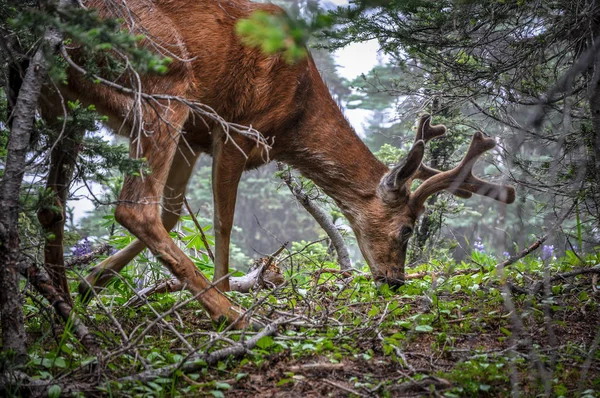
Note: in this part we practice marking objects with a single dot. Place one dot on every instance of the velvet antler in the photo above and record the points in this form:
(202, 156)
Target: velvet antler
(461, 179)
(427, 132)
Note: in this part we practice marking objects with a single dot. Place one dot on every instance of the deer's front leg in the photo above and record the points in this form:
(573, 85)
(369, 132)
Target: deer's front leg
(139, 210)
(228, 165)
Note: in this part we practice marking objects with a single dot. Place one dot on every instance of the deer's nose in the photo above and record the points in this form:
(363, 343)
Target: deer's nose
(392, 282)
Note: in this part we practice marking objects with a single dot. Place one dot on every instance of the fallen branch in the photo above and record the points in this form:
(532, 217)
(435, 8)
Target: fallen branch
(198, 361)
(317, 367)
(595, 269)
(261, 275)
(343, 387)
(324, 220)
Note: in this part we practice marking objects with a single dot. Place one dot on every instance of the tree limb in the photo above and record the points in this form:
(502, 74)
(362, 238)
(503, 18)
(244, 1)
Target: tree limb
(321, 217)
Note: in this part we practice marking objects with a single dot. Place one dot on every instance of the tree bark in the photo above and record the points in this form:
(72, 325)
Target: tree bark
(594, 101)
(13, 330)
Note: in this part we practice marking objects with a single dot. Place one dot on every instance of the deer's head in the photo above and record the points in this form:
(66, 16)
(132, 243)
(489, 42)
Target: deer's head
(387, 222)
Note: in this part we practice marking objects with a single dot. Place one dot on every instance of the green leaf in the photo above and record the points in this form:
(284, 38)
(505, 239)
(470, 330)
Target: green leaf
(222, 385)
(265, 342)
(424, 329)
(54, 391)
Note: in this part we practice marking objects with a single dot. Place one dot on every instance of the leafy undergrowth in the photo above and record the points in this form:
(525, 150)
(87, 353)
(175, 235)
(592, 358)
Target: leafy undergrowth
(438, 335)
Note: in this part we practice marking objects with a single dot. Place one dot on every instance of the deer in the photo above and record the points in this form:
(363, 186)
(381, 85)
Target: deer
(291, 106)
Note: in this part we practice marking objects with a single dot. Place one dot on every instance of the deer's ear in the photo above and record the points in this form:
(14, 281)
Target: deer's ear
(394, 183)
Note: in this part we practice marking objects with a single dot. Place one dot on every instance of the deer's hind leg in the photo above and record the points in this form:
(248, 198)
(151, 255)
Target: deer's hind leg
(172, 201)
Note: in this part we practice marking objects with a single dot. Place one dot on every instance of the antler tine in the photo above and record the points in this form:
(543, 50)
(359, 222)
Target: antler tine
(461, 178)
(427, 132)
(425, 172)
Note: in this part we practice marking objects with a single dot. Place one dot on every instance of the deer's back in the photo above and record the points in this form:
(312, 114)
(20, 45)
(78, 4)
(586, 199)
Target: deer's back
(240, 83)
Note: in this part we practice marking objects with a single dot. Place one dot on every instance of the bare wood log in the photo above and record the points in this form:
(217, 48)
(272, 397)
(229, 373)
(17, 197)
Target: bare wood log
(322, 218)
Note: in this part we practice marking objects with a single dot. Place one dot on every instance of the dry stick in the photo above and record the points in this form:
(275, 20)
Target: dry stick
(319, 366)
(321, 217)
(199, 361)
(42, 283)
(343, 388)
(241, 284)
(204, 240)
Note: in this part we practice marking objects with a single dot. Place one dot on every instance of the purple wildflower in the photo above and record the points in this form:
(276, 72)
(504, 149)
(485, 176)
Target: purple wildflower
(478, 245)
(139, 283)
(82, 247)
(547, 252)
(506, 254)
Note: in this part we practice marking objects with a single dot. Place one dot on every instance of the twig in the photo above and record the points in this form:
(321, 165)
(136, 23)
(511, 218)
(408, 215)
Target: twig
(342, 387)
(204, 240)
(198, 361)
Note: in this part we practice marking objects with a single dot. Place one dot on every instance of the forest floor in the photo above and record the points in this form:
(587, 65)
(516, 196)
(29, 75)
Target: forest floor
(452, 333)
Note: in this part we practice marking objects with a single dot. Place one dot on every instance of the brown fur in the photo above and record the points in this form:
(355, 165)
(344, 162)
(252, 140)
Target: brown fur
(289, 104)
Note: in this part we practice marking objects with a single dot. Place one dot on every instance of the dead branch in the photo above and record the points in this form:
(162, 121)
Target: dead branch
(324, 220)
(317, 367)
(265, 275)
(343, 387)
(40, 280)
(198, 361)
(595, 269)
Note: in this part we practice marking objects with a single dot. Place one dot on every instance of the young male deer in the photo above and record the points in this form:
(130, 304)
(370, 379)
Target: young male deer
(291, 106)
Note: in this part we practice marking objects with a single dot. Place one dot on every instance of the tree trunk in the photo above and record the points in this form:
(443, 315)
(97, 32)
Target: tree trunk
(13, 330)
(594, 101)
(53, 216)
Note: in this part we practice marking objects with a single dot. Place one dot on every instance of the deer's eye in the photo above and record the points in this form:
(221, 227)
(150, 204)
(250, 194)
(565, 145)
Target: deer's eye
(405, 232)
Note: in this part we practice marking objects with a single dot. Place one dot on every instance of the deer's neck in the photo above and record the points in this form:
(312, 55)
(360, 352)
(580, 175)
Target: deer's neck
(330, 153)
